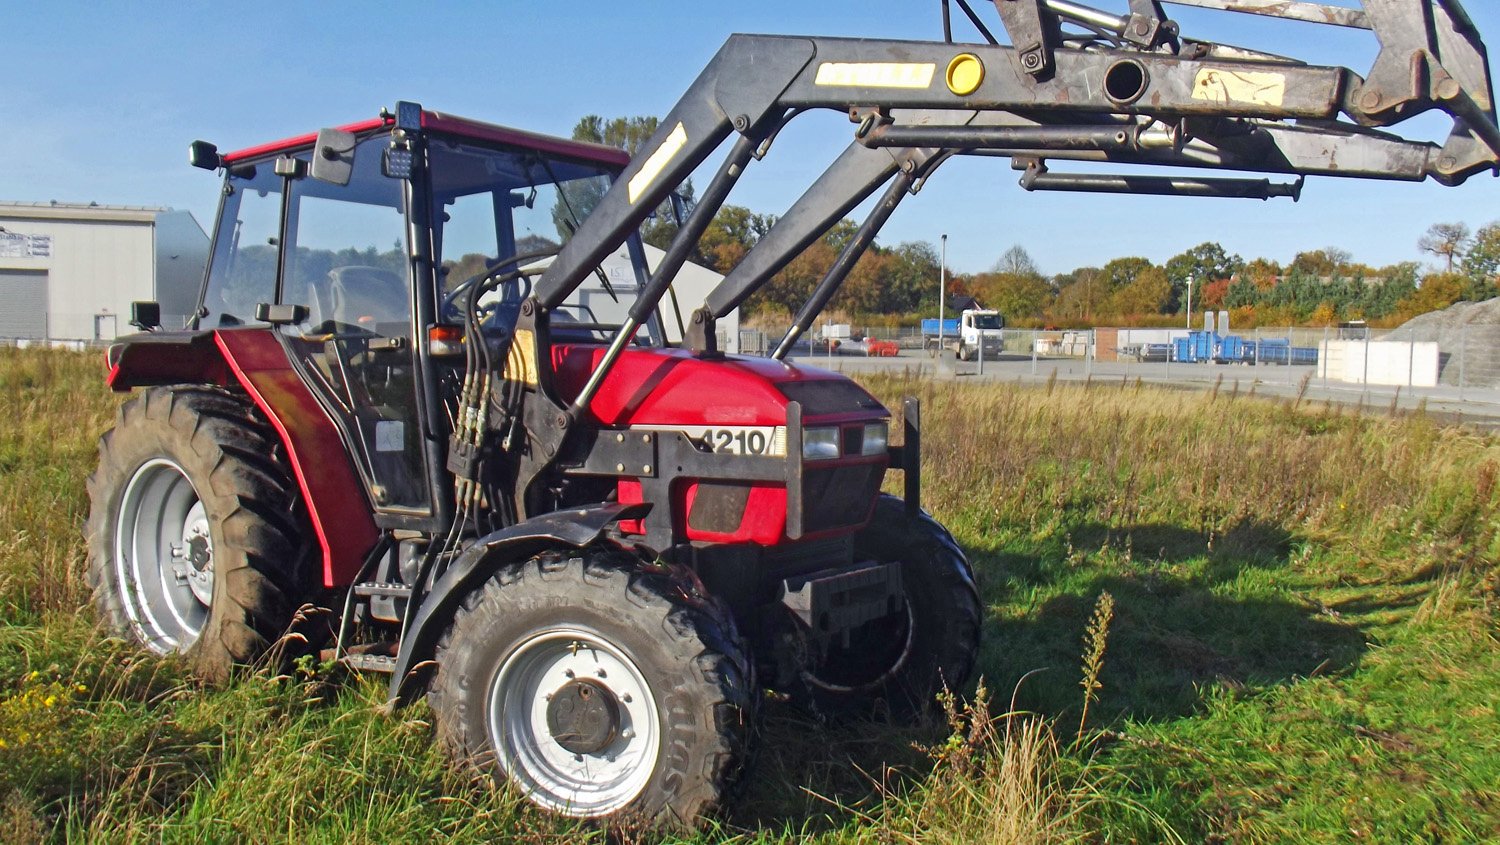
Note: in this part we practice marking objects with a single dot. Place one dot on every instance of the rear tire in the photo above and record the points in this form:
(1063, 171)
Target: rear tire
(195, 533)
(903, 663)
(656, 671)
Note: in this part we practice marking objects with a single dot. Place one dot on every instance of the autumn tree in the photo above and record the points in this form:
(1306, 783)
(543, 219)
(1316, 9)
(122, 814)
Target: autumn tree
(1481, 263)
(1203, 264)
(1015, 295)
(1446, 241)
(1321, 263)
(1263, 272)
(1016, 260)
(1436, 292)
(1148, 293)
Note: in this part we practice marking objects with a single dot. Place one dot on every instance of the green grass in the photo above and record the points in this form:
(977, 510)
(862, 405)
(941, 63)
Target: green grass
(1305, 646)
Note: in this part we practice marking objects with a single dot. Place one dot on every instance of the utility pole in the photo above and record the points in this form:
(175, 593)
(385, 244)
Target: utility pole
(942, 292)
(1190, 304)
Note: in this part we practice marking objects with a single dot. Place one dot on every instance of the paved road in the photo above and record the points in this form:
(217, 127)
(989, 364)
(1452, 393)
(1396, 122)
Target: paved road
(1480, 408)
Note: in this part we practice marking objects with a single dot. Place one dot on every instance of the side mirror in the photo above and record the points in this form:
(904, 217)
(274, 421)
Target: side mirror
(205, 155)
(145, 315)
(333, 156)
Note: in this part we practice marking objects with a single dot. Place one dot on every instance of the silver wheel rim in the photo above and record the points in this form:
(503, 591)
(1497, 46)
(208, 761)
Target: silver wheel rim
(164, 556)
(573, 784)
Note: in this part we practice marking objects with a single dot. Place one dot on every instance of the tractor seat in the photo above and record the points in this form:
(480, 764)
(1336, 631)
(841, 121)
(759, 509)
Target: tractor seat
(371, 298)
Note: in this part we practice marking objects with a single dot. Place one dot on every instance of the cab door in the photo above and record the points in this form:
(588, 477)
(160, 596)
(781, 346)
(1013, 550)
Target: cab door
(345, 260)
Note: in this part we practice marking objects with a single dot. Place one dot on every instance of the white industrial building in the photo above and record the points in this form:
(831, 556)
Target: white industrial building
(70, 271)
(689, 290)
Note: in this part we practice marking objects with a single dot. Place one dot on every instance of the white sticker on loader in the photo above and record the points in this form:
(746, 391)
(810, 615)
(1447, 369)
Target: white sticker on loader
(1240, 86)
(876, 74)
(658, 162)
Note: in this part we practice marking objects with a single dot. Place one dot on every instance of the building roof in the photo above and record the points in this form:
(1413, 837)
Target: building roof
(92, 211)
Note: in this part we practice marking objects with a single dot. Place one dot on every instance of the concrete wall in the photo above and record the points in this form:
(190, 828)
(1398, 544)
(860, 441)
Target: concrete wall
(1380, 362)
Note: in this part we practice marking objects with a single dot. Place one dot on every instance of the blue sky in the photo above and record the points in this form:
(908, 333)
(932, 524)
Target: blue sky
(108, 95)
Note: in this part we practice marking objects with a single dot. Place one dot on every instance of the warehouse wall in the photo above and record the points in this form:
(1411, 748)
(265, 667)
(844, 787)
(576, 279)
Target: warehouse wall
(96, 261)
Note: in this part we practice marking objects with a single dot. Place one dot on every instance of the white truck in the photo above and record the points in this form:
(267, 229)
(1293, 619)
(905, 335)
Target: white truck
(965, 334)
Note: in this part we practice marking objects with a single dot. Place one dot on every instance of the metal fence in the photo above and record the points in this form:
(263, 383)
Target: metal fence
(1447, 369)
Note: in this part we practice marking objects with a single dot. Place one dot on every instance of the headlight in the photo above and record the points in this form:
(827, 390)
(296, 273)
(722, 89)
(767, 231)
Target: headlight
(820, 444)
(875, 438)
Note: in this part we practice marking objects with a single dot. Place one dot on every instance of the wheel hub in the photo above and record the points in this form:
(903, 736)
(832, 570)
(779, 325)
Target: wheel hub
(583, 716)
(196, 554)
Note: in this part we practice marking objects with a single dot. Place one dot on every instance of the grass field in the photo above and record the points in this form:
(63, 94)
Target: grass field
(1210, 618)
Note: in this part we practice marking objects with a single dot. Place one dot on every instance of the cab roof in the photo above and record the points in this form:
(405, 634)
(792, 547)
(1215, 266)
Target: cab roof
(453, 125)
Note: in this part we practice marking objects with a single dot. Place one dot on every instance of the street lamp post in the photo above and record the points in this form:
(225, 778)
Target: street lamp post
(942, 292)
(1190, 304)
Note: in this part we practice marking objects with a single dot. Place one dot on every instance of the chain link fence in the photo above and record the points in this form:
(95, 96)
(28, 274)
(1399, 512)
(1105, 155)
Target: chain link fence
(1455, 367)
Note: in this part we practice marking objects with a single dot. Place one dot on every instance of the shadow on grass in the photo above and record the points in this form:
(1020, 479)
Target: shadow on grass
(1184, 620)
(809, 777)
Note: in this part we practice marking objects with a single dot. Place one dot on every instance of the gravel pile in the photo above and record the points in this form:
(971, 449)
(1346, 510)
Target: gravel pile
(1465, 330)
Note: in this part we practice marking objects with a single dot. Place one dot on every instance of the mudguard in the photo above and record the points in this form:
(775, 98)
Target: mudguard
(252, 358)
(571, 528)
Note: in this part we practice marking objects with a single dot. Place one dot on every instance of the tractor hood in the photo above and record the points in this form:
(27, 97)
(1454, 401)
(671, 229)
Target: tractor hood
(653, 386)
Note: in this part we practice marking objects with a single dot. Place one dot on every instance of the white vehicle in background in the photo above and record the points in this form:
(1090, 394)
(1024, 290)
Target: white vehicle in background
(966, 334)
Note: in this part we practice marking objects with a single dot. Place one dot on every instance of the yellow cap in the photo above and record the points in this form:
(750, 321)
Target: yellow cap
(965, 73)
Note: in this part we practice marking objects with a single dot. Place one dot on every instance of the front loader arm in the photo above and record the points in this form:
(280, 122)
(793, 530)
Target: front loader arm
(1182, 104)
(1077, 84)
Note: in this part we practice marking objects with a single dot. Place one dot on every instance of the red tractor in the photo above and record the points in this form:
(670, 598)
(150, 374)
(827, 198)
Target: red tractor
(428, 384)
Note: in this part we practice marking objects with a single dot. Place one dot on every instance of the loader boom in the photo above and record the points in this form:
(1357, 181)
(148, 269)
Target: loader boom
(1076, 83)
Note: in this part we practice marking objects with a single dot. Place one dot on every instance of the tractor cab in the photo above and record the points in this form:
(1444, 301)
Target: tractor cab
(366, 274)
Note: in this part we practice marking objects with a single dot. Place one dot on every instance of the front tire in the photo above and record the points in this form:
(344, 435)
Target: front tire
(597, 688)
(903, 662)
(194, 532)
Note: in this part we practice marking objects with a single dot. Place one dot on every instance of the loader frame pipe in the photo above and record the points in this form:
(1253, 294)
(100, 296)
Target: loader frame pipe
(1256, 189)
(844, 264)
(1006, 137)
(694, 227)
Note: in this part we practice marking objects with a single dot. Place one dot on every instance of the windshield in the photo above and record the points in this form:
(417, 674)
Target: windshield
(492, 204)
(988, 321)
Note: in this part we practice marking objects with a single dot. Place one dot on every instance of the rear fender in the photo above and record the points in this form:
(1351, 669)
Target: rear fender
(155, 358)
(566, 529)
(252, 358)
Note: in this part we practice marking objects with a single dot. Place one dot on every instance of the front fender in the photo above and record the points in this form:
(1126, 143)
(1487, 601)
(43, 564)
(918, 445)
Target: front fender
(572, 528)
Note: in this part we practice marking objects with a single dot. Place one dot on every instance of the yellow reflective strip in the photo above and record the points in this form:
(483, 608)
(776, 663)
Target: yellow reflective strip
(520, 365)
(876, 74)
(658, 162)
(1259, 88)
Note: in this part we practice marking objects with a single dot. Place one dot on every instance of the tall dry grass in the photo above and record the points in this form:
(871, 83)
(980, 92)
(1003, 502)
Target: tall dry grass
(139, 753)
(1005, 460)
(53, 407)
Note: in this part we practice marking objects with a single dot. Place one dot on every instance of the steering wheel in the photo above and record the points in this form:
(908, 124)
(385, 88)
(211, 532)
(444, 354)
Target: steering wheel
(514, 291)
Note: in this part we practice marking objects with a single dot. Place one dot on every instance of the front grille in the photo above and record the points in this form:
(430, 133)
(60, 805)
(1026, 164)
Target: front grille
(837, 497)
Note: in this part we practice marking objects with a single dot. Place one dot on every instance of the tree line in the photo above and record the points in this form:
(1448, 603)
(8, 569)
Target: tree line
(1318, 287)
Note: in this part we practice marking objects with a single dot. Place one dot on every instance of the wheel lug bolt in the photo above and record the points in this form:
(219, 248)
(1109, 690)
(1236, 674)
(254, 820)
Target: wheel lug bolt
(568, 673)
(626, 698)
(627, 734)
(601, 673)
